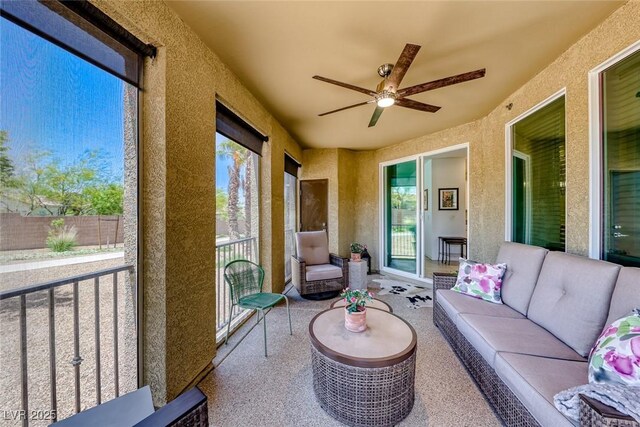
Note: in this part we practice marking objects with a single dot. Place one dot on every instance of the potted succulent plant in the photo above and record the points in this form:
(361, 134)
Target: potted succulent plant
(356, 251)
(355, 310)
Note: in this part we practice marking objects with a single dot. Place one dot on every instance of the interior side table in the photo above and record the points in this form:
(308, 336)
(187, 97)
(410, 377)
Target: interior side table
(366, 378)
(444, 247)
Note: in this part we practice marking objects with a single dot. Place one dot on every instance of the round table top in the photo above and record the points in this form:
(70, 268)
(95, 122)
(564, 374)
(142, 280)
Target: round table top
(374, 303)
(387, 341)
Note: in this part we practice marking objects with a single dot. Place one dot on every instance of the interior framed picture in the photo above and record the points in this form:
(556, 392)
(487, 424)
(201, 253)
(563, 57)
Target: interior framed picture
(448, 199)
(426, 199)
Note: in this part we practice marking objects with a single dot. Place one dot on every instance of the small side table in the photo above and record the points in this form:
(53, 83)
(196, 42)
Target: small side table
(357, 275)
(444, 247)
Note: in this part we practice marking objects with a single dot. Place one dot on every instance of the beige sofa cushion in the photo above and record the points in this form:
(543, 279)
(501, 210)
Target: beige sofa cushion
(626, 295)
(571, 299)
(535, 380)
(313, 247)
(489, 335)
(455, 303)
(323, 272)
(523, 268)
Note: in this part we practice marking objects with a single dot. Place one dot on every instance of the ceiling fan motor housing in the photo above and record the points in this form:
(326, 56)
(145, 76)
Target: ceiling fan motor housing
(384, 70)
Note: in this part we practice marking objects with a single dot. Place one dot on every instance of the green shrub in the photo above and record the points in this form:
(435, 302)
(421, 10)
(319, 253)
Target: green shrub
(61, 238)
(356, 248)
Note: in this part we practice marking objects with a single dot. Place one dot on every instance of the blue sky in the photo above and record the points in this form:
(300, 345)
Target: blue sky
(55, 101)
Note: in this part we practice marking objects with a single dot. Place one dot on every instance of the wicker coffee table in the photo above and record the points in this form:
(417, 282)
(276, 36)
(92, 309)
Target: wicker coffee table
(374, 303)
(366, 378)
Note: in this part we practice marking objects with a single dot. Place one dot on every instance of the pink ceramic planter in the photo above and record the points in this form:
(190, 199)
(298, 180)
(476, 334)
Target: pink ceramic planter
(355, 322)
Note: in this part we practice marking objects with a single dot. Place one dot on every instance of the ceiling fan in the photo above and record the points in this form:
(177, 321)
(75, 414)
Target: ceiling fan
(388, 93)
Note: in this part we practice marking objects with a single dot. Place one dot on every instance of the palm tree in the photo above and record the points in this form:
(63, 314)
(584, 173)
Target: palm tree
(237, 153)
(248, 162)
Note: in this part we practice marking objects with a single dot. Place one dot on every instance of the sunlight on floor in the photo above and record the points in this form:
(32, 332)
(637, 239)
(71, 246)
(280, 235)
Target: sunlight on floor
(431, 267)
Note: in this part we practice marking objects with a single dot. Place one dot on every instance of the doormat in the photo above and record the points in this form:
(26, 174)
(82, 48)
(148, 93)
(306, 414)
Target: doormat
(417, 296)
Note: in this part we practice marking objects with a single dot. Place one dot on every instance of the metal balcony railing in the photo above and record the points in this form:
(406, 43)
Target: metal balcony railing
(19, 297)
(289, 250)
(225, 253)
(403, 241)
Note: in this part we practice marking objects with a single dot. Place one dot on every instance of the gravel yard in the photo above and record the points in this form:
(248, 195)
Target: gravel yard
(38, 340)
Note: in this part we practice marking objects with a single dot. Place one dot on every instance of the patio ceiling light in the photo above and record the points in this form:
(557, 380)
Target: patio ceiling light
(385, 99)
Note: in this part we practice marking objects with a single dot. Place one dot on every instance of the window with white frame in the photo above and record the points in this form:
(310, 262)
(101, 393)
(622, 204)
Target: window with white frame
(538, 175)
(620, 161)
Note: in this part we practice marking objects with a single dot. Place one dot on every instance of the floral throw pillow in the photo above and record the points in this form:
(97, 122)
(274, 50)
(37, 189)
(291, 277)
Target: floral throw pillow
(615, 358)
(482, 281)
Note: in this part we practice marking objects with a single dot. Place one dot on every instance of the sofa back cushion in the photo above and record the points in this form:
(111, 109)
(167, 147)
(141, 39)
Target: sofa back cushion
(523, 267)
(626, 295)
(571, 299)
(313, 247)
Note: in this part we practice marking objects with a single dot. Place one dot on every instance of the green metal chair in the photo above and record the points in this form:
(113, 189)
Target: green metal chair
(245, 290)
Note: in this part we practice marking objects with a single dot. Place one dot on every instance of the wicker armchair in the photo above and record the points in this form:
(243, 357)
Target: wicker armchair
(504, 402)
(316, 273)
(136, 408)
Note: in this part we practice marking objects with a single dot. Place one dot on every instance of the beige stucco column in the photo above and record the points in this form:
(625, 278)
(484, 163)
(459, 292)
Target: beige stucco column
(177, 204)
(178, 214)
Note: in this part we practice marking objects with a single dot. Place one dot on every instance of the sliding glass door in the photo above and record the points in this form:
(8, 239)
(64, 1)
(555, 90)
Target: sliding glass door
(290, 183)
(400, 223)
(621, 162)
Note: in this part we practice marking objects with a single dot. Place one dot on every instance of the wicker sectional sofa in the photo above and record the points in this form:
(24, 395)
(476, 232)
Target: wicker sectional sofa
(521, 353)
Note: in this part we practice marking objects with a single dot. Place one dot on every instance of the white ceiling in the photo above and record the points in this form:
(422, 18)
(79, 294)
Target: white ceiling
(276, 47)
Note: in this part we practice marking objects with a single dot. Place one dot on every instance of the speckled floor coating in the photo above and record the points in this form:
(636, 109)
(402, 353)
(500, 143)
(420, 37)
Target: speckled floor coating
(248, 390)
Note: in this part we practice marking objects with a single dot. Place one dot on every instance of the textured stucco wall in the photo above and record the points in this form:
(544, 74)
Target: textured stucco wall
(323, 164)
(338, 166)
(347, 178)
(486, 138)
(178, 192)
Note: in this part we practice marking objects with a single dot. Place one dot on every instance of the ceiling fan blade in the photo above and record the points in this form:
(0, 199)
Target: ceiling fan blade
(447, 81)
(346, 108)
(345, 85)
(415, 105)
(376, 115)
(402, 66)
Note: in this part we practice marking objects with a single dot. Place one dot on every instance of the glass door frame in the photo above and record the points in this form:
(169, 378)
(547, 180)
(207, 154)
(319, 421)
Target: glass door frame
(596, 126)
(296, 224)
(527, 172)
(383, 217)
(420, 243)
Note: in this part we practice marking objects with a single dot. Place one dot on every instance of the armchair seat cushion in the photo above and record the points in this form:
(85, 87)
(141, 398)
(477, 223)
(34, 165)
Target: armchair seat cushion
(323, 272)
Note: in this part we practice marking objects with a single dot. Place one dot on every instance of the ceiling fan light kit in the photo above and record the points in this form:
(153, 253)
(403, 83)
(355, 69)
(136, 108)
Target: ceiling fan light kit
(385, 99)
(388, 92)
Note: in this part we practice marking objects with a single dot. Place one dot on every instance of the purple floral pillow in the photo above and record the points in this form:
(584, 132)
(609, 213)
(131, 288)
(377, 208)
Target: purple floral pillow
(482, 281)
(615, 358)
